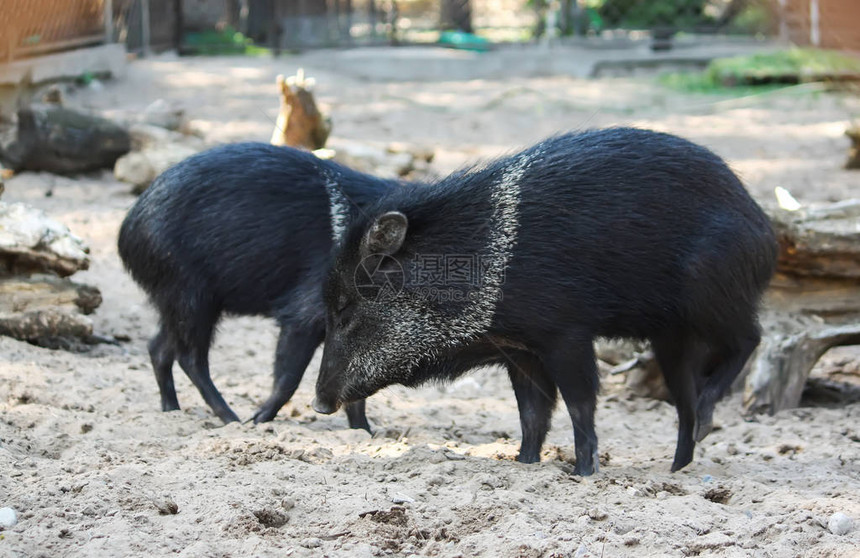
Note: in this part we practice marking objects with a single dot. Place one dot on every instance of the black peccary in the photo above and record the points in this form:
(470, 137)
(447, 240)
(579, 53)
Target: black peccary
(615, 233)
(241, 229)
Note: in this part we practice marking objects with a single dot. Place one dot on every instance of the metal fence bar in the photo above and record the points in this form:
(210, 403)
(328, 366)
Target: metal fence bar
(145, 30)
(108, 19)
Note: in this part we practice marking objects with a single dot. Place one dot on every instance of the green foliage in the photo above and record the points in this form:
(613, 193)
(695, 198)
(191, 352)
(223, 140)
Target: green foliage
(755, 18)
(645, 15)
(788, 66)
(701, 82)
(220, 42)
(760, 72)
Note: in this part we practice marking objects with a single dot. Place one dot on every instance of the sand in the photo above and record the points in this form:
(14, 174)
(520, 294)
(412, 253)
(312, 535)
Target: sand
(93, 468)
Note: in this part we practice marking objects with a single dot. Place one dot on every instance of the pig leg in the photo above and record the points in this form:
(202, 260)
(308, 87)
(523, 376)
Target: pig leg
(682, 359)
(356, 416)
(573, 368)
(296, 347)
(731, 359)
(162, 355)
(195, 363)
(536, 395)
(193, 356)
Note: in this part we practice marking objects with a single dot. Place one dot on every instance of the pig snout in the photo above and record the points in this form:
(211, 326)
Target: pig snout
(324, 406)
(328, 389)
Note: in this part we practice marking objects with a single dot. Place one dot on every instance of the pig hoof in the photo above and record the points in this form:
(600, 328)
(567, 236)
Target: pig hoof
(678, 465)
(702, 430)
(523, 458)
(228, 416)
(263, 415)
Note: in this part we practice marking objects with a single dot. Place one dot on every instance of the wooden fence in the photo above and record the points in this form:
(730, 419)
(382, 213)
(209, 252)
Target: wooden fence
(33, 27)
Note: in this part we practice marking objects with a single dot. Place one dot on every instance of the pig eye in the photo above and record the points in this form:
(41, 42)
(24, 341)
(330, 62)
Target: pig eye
(344, 315)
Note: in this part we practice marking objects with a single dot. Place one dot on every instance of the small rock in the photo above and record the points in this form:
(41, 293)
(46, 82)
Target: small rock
(597, 514)
(402, 499)
(8, 518)
(311, 542)
(166, 506)
(623, 528)
(454, 456)
(707, 478)
(632, 491)
(838, 524)
(161, 114)
(581, 552)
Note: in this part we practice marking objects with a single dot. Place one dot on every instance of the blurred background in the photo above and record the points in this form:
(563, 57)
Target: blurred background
(39, 26)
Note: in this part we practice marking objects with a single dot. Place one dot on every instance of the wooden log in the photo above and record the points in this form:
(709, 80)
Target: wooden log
(64, 141)
(300, 123)
(819, 242)
(31, 242)
(43, 308)
(784, 360)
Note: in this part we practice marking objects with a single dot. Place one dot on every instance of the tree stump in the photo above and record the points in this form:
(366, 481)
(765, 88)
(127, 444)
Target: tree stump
(64, 141)
(300, 123)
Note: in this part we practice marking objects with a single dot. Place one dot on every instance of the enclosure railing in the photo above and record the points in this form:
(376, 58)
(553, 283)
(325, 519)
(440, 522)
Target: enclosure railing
(34, 27)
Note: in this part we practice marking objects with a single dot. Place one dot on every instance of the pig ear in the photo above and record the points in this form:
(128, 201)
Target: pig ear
(386, 234)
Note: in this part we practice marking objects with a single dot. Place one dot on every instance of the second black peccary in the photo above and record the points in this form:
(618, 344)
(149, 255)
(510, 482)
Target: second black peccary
(615, 233)
(241, 229)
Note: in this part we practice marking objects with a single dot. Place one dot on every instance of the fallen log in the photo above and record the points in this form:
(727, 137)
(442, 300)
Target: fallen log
(812, 305)
(31, 242)
(63, 141)
(37, 302)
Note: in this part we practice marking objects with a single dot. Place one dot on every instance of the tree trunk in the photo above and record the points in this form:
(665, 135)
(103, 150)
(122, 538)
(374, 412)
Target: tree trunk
(456, 15)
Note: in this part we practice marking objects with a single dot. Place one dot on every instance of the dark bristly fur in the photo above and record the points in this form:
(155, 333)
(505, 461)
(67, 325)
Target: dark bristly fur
(239, 229)
(619, 233)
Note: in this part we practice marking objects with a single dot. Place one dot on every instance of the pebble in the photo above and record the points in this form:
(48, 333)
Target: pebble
(311, 542)
(581, 551)
(402, 499)
(597, 514)
(707, 478)
(623, 528)
(8, 518)
(838, 524)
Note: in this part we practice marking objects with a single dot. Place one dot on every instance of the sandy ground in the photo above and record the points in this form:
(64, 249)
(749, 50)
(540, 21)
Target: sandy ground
(91, 465)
